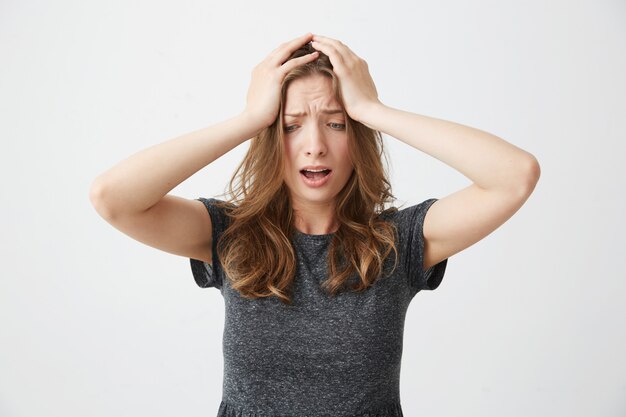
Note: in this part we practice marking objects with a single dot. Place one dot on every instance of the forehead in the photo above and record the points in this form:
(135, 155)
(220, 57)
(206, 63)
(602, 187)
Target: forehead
(312, 90)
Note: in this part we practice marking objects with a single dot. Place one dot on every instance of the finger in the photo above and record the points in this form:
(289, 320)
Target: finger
(335, 42)
(325, 38)
(284, 51)
(335, 56)
(292, 63)
(339, 46)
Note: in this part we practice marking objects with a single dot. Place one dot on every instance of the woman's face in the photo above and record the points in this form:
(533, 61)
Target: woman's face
(317, 161)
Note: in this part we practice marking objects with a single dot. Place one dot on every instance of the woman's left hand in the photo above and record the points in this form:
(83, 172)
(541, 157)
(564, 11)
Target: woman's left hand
(357, 86)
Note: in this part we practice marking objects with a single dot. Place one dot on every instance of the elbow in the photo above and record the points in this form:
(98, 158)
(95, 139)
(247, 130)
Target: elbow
(97, 197)
(533, 171)
(529, 176)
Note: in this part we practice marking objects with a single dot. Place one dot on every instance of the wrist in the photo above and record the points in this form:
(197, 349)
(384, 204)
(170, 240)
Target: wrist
(367, 113)
(253, 123)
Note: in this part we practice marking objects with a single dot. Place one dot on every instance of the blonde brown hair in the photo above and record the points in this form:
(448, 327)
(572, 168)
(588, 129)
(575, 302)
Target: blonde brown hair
(256, 251)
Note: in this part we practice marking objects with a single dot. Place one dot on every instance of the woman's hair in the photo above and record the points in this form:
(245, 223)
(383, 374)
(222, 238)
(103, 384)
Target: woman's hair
(256, 251)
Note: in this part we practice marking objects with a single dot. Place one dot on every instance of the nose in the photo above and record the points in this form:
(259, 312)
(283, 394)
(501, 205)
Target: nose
(316, 142)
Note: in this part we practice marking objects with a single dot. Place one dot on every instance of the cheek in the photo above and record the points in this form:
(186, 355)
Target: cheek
(345, 154)
(289, 163)
(287, 152)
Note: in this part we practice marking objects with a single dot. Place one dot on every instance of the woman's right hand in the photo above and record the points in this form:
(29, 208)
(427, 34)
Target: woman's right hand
(263, 99)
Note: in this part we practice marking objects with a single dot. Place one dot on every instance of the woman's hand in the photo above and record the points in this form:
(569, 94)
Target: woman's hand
(357, 86)
(263, 99)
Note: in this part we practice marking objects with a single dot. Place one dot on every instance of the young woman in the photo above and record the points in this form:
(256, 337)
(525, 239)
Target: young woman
(315, 267)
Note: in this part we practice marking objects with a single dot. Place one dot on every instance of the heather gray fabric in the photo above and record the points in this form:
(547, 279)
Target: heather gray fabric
(321, 356)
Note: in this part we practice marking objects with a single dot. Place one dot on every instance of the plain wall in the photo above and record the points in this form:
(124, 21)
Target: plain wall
(529, 321)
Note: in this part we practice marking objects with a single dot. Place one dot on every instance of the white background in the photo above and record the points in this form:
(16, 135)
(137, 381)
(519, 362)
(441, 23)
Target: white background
(531, 321)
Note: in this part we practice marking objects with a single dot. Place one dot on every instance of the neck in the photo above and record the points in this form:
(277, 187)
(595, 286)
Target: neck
(315, 219)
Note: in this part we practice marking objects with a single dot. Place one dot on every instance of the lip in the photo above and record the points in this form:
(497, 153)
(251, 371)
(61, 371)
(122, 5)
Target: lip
(315, 167)
(315, 183)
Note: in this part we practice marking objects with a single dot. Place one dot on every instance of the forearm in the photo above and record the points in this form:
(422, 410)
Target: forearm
(489, 161)
(141, 180)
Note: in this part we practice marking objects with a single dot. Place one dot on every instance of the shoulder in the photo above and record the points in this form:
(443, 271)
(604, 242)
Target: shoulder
(218, 203)
(219, 210)
(408, 216)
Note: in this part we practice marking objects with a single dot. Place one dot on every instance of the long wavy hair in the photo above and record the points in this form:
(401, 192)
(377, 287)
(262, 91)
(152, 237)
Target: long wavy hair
(256, 252)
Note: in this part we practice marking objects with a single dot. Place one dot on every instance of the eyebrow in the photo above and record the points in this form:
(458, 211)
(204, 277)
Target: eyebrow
(325, 111)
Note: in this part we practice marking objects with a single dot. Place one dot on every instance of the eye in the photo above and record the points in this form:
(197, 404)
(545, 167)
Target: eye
(338, 126)
(288, 128)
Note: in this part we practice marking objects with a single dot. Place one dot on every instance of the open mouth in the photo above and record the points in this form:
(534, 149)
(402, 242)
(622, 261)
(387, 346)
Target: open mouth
(315, 174)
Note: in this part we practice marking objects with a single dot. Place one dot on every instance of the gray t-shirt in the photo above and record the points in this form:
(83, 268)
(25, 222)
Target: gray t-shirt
(321, 356)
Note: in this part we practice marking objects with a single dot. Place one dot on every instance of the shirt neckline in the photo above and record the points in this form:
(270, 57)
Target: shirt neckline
(301, 235)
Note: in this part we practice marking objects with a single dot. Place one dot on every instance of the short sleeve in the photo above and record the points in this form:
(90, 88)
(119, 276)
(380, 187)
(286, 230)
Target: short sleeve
(211, 275)
(410, 224)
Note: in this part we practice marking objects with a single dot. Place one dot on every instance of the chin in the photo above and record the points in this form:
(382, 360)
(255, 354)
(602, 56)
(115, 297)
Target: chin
(315, 199)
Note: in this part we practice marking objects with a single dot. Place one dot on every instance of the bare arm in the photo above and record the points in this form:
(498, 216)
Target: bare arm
(503, 175)
(133, 195)
(140, 181)
(503, 178)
